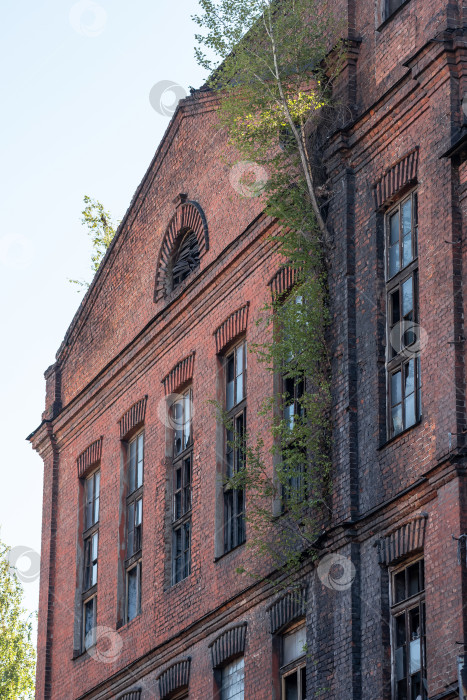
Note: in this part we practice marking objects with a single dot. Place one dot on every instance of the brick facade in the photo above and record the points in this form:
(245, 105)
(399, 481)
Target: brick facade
(403, 126)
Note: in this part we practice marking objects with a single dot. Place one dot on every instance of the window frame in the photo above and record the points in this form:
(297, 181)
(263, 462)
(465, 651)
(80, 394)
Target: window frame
(234, 525)
(223, 669)
(387, 12)
(133, 554)
(403, 608)
(138, 566)
(296, 665)
(399, 358)
(91, 530)
(179, 460)
(91, 596)
(297, 482)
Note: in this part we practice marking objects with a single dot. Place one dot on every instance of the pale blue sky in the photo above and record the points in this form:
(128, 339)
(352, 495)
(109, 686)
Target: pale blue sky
(76, 119)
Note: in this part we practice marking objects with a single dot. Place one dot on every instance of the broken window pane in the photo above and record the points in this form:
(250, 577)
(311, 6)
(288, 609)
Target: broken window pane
(186, 259)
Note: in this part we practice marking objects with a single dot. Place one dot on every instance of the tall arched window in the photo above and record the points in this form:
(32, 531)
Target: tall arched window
(185, 258)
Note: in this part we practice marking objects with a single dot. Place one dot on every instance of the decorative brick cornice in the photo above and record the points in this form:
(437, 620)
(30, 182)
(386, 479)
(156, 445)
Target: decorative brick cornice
(283, 281)
(180, 374)
(287, 609)
(406, 539)
(396, 178)
(89, 457)
(188, 216)
(232, 327)
(229, 644)
(132, 695)
(174, 678)
(133, 417)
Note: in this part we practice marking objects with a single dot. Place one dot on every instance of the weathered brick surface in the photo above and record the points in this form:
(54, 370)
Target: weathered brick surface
(403, 88)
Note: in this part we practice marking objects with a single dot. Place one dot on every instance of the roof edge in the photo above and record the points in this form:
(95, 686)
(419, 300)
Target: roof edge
(189, 105)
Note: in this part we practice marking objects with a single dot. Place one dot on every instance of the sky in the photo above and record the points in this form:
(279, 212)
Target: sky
(86, 99)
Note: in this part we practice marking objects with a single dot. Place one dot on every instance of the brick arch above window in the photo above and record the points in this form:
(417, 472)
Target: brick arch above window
(228, 645)
(174, 678)
(132, 695)
(89, 458)
(402, 541)
(231, 328)
(287, 609)
(180, 374)
(188, 217)
(399, 176)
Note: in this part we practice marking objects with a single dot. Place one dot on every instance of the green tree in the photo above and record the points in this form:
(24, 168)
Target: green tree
(274, 69)
(17, 653)
(101, 229)
(274, 65)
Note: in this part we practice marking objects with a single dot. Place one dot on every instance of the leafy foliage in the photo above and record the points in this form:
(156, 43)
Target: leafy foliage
(101, 229)
(274, 65)
(288, 506)
(17, 654)
(271, 63)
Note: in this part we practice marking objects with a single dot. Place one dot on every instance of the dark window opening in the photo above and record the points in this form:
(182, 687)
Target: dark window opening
(89, 622)
(235, 435)
(90, 561)
(133, 586)
(294, 460)
(403, 330)
(134, 526)
(181, 411)
(293, 665)
(185, 259)
(408, 633)
(91, 488)
(390, 6)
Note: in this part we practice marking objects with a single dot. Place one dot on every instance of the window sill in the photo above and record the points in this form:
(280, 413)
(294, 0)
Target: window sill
(78, 655)
(389, 19)
(399, 435)
(126, 625)
(182, 581)
(226, 554)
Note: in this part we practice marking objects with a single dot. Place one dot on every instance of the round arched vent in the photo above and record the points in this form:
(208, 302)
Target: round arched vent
(184, 243)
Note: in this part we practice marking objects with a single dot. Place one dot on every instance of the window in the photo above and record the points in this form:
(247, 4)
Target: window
(293, 665)
(235, 402)
(134, 529)
(408, 632)
(293, 457)
(182, 478)
(294, 390)
(90, 549)
(390, 6)
(233, 680)
(403, 356)
(185, 259)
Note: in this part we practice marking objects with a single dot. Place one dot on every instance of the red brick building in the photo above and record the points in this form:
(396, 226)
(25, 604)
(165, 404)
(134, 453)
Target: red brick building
(140, 542)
